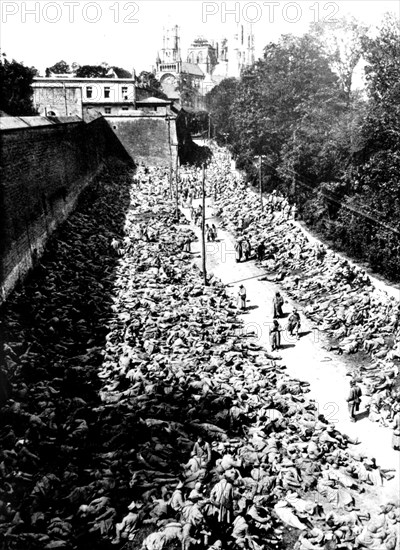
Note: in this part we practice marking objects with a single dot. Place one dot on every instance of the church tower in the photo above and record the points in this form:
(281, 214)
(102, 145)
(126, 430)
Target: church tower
(171, 50)
(243, 49)
(169, 61)
(204, 54)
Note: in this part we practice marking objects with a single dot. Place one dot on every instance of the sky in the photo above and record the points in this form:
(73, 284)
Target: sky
(129, 34)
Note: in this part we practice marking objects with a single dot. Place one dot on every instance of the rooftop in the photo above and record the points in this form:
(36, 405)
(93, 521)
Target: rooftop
(153, 101)
(42, 79)
(191, 68)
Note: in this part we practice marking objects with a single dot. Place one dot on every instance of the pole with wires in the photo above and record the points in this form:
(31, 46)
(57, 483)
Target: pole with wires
(203, 226)
(177, 185)
(170, 157)
(260, 178)
(294, 166)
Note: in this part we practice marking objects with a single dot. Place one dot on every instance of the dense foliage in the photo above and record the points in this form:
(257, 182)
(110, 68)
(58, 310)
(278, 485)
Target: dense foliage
(199, 123)
(61, 67)
(16, 88)
(332, 150)
(93, 71)
(88, 71)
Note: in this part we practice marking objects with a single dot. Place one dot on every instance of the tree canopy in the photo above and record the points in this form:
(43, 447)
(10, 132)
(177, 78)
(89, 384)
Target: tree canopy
(16, 88)
(104, 70)
(61, 67)
(334, 150)
(91, 71)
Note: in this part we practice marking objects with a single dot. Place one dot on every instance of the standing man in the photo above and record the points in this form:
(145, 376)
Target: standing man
(246, 248)
(242, 298)
(275, 335)
(277, 305)
(354, 399)
(294, 323)
(221, 498)
(239, 251)
(260, 251)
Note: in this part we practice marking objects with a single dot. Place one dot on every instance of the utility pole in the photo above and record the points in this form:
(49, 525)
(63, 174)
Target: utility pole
(177, 184)
(170, 179)
(65, 99)
(203, 227)
(170, 156)
(293, 168)
(209, 126)
(134, 89)
(260, 180)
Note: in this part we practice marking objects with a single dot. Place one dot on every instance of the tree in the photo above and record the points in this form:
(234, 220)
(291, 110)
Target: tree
(381, 129)
(16, 88)
(373, 175)
(149, 79)
(280, 96)
(188, 90)
(61, 67)
(198, 122)
(219, 102)
(122, 73)
(91, 71)
(334, 149)
(101, 71)
(342, 40)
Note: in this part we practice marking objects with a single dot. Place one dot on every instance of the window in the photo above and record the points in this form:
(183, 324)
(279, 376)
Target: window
(107, 110)
(107, 91)
(124, 108)
(89, 91)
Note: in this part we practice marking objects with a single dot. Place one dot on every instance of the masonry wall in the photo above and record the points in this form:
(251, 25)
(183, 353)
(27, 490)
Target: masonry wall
(152, 140)
(58, 100)
(43, 171)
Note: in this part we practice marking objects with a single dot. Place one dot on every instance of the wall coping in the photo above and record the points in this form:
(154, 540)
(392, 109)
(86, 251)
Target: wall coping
(10, 123)
(140, 114)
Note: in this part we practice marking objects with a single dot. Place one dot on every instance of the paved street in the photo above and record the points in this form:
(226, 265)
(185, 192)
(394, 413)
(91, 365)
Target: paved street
(304, 359)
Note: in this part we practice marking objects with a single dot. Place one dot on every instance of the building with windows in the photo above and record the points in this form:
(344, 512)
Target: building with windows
(85, 97)
(206, 64)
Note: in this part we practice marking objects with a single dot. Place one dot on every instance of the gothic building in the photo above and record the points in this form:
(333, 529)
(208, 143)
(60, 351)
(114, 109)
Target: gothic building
(206, 64)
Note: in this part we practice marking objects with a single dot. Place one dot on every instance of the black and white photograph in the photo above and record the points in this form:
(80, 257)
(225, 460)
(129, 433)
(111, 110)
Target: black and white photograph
(200, 275)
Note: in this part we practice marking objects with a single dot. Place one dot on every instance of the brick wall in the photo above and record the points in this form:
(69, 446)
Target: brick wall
(43, 171)
(146, 138)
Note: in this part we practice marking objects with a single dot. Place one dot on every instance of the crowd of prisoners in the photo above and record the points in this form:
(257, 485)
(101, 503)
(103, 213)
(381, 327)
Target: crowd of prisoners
(140, 417)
